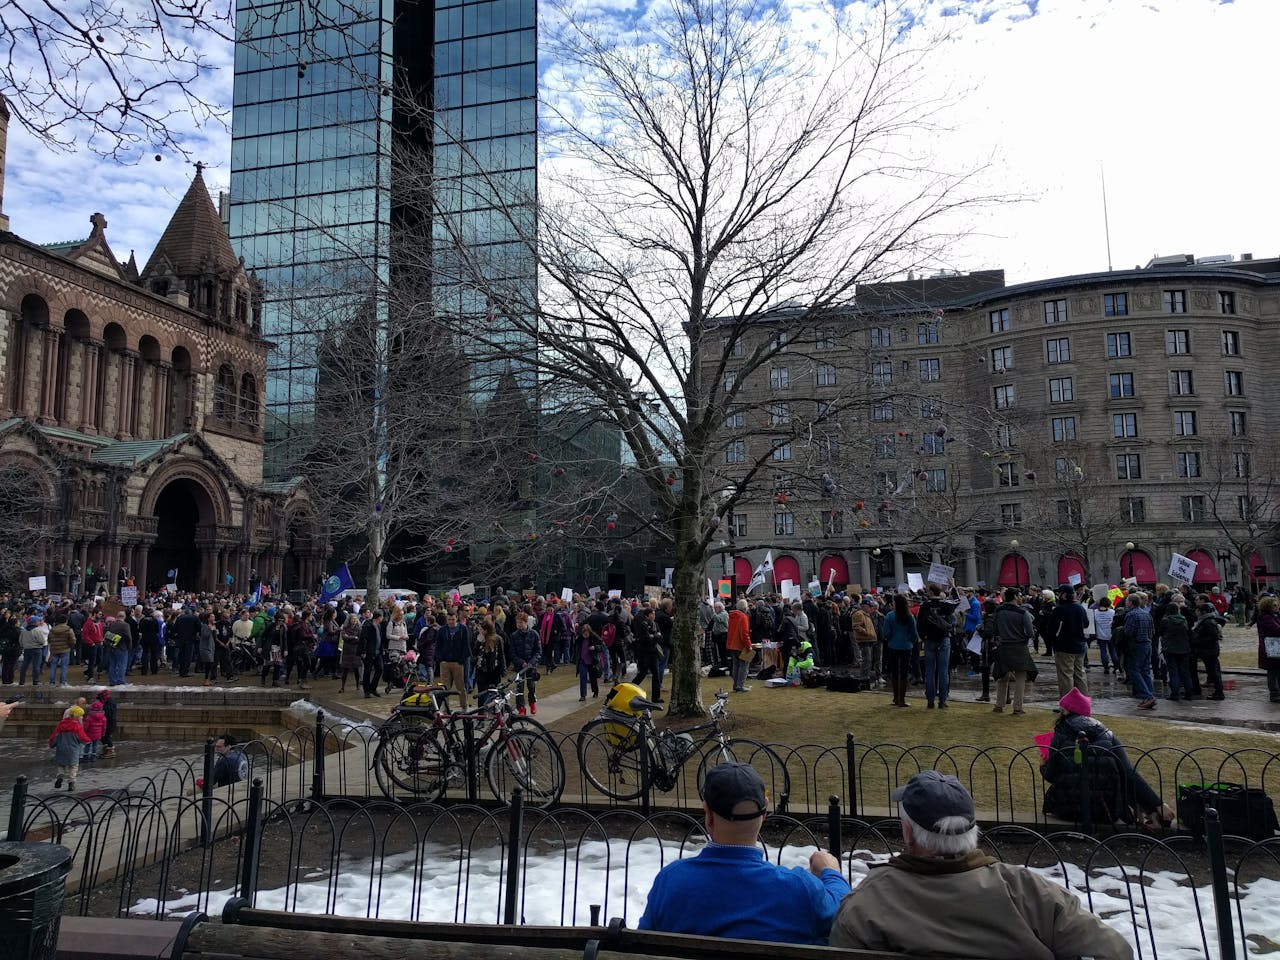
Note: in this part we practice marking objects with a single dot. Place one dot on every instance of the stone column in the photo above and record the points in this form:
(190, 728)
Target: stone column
(160, 400)
(124, 405)
(864, 570)
(90, 371)
(899, 569)
(141, 554)
(971, 569)
(50, 385)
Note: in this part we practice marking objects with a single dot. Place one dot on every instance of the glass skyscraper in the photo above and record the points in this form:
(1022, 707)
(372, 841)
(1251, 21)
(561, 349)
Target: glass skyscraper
(326, 166)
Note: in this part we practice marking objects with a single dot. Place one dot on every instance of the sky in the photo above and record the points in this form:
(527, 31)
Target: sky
(1169, 97)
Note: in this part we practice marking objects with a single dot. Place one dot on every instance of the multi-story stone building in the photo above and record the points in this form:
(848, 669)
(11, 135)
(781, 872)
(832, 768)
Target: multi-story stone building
(1086, 426)
(131, 420)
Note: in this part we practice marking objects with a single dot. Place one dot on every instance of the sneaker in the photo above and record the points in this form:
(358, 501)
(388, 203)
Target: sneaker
(973, 674)
(1148, 704)
(521, 711)
(582, 699)
(533, 708)
(71, 785)
(57, 782)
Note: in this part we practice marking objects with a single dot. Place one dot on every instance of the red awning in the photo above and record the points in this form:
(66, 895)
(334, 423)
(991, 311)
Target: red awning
(1206, 571)
(1014, 571)
(742, 571)
(1256, 563)
(834, 565)
(785, 568)
(1136, 564)
(1068, 565)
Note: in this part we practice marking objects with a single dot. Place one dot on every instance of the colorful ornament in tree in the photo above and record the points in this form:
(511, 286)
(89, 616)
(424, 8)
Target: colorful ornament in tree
(858, 505)
(864, 523)
(1030, 475)
(671, 479)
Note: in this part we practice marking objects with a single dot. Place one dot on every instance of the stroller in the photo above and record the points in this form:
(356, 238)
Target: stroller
(398, 671)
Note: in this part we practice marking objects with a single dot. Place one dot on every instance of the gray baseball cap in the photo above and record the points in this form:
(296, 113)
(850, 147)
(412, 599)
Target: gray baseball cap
(930, 797)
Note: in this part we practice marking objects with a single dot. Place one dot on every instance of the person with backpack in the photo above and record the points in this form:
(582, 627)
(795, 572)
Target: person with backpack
(591, 654)
(935, 623)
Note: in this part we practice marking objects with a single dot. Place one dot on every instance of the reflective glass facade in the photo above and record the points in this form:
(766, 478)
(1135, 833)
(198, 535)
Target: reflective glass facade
(313, 170)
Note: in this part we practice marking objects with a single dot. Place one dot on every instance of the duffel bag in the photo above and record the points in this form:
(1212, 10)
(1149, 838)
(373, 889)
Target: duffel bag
(1243, 811)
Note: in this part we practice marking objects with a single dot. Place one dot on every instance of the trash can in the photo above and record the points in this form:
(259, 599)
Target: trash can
(32, 881)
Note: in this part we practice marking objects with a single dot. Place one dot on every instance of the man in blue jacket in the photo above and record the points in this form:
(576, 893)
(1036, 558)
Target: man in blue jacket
(730, 889)
(1067, 625)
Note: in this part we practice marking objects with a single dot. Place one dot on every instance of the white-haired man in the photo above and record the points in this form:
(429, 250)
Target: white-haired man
(942, 896)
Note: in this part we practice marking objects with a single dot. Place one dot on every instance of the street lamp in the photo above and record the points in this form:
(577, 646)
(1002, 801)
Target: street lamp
(1128, 545)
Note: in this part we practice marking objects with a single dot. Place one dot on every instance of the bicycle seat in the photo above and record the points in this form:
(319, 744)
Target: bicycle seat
(642, 703)
(722, 695)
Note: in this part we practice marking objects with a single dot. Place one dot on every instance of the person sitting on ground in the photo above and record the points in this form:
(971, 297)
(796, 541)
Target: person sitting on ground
(1117, 792)
(232, 766)
(730, 889)
(942, 896)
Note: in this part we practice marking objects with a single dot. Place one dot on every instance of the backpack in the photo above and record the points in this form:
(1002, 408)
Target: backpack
(934, 623)
(608, 633)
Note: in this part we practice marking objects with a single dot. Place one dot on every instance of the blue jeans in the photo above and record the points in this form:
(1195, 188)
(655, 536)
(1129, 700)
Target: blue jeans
(937, 654)
(1107, 652)
(58, 661)
(1140, 671)
(117, 665)
(585, 677)
(32, 657)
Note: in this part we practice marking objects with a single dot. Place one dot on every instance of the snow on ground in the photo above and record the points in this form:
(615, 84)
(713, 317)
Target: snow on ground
(559, 889)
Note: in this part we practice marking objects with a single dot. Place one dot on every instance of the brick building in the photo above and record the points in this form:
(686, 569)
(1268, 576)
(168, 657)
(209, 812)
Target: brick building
(131, 411)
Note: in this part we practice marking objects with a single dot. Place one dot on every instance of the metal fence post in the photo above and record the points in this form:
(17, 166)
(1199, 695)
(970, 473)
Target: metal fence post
(1221, 890)
(986, 673)
(206, 795)
(1081, 757)
(317, 760)
(851, 773)
(469, 752)
(251, 848)
(515, 828)
(645, 778)
(834, 839)
(17, 810)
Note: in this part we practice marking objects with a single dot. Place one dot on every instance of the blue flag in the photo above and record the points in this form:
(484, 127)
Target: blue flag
(337, 582)
(256, 597)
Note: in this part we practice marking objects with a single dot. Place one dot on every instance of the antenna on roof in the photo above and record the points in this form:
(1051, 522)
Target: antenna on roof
(1106, 221)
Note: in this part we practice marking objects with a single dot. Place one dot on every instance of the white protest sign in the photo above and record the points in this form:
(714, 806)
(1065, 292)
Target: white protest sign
(466, 590)
(567, 594)
(711, 591)
(615, 594)
(831, 579)
(170, 588)
(914, 582)
(176, 605)
(815, 587)
(129, 596)
(904, 588)
(666, 577)
(940, 574)
(974, 645)
(1075, 579)
(36, 583)
(593, 592)
(1182, 568)
(1099, 591)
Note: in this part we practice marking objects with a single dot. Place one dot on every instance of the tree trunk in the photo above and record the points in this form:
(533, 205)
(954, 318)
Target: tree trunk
(686, 654)
(373, 564)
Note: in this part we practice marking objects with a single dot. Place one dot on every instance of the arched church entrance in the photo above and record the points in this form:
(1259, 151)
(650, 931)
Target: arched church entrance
(182, 509)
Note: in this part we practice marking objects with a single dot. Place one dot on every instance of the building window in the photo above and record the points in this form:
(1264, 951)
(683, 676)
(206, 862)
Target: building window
(224, 394)
(1175, 301)
(1001, 359)
(1057, 350)
(781, 450)
(832, 523)
(783, 483)
(1133, 510)
(886, 481)
(1184, 423)
(1063, 429)
(1115, 304)
(936, 480)
(1193, 509)
(1062, 468)
(825, 375)
(1011, 514)
(886, 446)
(1233, 382)
(930, 370)
(1240, 466)
(882, 410)
(779, 378)
(933, 445)
(1004, 396)
(1236, 423)
(828, 448)
(737, 524)
(1231, 343)
(927, 332)
(1128, 466)
(735, 420)
(778, 342)
(1060, 390)
(779, 414)
(1120, 385)
(735, 451)
(1187, 464)
(1246, 508)
(999, 321)
(1119, 345)
(1055, 311)
(1009, 475)
(881, 373)
(825, 339)
(1124, 426)
(735, 347)
(1226, 301)
(1066, 513)
(930, 408)
(730, 379)
(784, 523)
(1006, 439)
(1177, 342)
(827, 411)
(880, 338)
(1181, 383)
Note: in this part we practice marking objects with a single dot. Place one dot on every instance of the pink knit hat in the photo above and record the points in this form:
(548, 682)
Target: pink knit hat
(1073, 701)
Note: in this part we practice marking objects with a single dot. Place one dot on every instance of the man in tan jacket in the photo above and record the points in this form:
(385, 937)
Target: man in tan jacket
(943, 897)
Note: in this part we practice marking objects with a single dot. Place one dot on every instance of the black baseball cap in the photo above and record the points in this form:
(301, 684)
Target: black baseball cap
(729, 784)
(930, 797)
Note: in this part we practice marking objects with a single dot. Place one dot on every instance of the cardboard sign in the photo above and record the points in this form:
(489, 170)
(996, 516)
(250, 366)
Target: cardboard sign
(567, 594)
(114, 608)
(1075, 579)
(1182, 568)
(855, 588)
(914, 582)
(615, 594)
(129, 596)
(1099, 590)
(466, 589)
(36, 583)
(593, 592)
(170, 588)
(941, 574)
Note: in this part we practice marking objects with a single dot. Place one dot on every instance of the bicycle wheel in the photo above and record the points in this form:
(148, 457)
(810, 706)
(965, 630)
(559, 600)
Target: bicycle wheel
(412, 762)
(527, 759)
(611, 768)
(766, 763)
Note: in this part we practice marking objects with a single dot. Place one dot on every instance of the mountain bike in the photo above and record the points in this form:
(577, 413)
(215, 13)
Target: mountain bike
(427, 752)
(623, 754)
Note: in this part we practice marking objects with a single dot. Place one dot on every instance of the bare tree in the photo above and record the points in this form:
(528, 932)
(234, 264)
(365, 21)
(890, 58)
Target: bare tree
(27, 519)
(1239, 488)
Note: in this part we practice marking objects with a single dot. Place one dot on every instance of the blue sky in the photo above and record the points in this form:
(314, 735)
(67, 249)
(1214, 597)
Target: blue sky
(1169, 94)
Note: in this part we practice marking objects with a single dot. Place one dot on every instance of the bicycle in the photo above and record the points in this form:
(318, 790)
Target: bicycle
(622, 755)
(425, 748)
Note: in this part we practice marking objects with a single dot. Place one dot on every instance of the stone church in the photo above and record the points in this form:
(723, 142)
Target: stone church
(131, 408)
